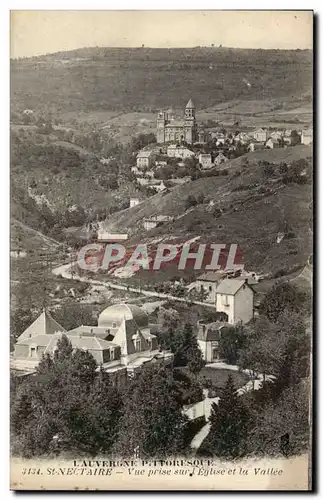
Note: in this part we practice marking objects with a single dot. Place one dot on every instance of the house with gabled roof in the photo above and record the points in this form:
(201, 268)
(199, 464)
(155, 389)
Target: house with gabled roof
(260, 135)
(43, 325)
(208, 338)
(220, 158)
(208, 282)
(235, 297)
(145, 158)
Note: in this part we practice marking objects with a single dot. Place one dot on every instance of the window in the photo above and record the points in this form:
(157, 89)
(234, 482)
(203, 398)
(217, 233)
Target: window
(114, 325)
(33, 352)
(210, 288)
(215, 354)
(225, 300)
(111, 354)
(137, 345)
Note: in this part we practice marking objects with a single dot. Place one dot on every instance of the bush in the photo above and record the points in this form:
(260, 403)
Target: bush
(190, 202)
(283, 168)
(269, 170)
(200, 199)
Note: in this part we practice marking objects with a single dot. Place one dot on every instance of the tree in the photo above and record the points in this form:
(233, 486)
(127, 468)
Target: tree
(182, 342)
(279, 427)
(296, 349)
(263, 349)
(143, 140)
(232, 340)
(66, 407)
(152, 420)
(190, 202)
(198, 295)
(189, 387)
(168, 320)
(283, 296)
(194, 358)
(229, 422)
(92, 426)
(71, 314)
(269, 169)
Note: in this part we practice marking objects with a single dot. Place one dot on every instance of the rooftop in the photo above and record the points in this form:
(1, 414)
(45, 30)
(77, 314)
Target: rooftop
(231, 286)
(211, 276)
(43, 325)
(77, 341)
(119, 312)
(210, 331)
(144, 154)
(175, 123)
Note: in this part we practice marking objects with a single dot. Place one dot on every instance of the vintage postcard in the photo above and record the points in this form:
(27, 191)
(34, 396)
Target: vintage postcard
(161, 250)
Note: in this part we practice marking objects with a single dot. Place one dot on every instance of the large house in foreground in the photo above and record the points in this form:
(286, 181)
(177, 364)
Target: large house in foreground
(121, 343)
(235, 298)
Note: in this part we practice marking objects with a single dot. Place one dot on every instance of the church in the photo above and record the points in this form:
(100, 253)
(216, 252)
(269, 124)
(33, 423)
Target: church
(121, 344)
(172, 129)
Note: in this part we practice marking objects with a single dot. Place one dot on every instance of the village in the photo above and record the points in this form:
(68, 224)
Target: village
(181, 144)
(161, 249)
(184, 147)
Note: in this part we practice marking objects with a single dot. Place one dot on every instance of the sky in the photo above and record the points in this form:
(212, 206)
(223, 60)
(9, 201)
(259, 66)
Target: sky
(36, 32)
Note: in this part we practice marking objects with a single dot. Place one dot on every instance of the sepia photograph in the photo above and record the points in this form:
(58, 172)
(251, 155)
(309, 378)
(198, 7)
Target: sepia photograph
(161, 250)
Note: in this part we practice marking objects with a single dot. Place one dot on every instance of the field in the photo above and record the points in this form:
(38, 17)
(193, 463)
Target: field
(127, 80)
(280, 113)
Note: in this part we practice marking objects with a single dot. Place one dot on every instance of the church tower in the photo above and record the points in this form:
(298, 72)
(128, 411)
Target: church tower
(190, 122)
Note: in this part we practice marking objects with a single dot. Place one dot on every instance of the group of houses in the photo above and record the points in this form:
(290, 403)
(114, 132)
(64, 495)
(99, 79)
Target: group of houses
(121, 343)
(263, 138)
(232, 296)
(233, 299)
(176, 137)
(124, 341)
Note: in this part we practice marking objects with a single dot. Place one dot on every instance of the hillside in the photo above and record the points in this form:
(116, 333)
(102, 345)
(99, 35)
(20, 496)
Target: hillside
(56, 184)
(89, 103)
(126, 80)
(247, 207)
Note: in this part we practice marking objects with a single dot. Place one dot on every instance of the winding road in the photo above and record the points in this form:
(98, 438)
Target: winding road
(65, 272)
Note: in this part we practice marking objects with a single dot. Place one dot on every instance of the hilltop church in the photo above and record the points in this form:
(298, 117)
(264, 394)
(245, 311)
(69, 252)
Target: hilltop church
(172, 129)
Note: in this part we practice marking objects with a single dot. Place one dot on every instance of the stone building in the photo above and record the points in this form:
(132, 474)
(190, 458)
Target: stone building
(122, 342)
(172, 129)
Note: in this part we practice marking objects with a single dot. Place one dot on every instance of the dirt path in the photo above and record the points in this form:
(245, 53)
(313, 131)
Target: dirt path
(251, 385)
